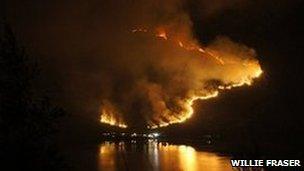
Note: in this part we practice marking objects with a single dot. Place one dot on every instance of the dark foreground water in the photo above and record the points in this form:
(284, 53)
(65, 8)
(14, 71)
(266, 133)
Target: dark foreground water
(158, 156)
(151, 155)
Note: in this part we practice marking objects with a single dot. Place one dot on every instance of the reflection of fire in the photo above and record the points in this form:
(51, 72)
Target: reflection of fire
(241, 71)
(160, 157)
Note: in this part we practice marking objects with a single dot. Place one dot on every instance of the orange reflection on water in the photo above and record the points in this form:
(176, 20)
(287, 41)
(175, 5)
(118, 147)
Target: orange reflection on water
(181, 157)
(108, 155)
(159, 156)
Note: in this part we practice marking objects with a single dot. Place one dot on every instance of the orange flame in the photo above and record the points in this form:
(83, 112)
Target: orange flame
(109, 116)
(253, 71)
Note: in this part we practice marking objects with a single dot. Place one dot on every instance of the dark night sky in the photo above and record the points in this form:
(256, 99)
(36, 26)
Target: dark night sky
(274, 29)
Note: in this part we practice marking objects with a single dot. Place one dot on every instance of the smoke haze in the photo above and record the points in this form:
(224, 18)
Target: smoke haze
(137, 63)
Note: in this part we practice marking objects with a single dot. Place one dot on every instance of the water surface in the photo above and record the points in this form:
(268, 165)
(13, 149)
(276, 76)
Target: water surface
(158, 156)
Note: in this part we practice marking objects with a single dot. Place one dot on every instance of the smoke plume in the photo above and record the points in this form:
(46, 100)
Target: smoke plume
(160, 69)
(135, 63)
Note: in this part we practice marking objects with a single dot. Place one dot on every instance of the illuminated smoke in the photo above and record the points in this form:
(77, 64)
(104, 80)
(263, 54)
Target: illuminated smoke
(160, 70)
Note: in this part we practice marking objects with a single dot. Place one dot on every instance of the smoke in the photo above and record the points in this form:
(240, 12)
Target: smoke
(137, 63)
(160, 69)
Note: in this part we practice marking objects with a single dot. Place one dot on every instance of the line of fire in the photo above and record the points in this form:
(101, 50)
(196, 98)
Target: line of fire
(248, 70)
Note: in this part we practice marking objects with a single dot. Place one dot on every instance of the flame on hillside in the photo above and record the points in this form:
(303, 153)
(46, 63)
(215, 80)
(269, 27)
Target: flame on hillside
(225, 64)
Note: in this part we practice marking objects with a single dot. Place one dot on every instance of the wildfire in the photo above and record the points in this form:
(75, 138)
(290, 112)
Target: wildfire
(107, 119)
(161, 33)
(187, 104)
(241, 72)
(109, 116)
(188, 112)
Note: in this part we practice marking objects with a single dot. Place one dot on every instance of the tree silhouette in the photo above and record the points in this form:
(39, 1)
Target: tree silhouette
(27, 119)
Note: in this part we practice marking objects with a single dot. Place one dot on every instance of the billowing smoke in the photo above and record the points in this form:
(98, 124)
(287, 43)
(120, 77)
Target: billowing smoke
(135, 63)
(159, 69)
